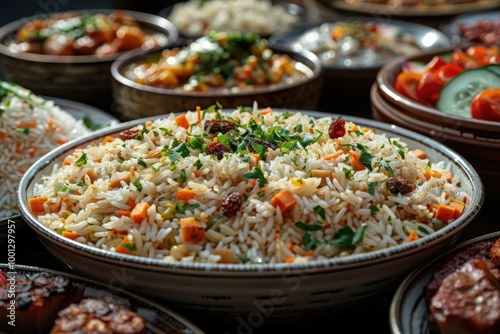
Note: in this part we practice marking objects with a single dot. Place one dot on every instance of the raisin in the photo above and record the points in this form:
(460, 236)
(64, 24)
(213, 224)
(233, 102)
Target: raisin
(128, 134)
(219, 126)
(231, 204)
(217, 149)
(337, 128)
(401, 186)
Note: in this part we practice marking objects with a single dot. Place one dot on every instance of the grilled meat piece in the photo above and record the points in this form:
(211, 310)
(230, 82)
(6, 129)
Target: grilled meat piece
(468, 300)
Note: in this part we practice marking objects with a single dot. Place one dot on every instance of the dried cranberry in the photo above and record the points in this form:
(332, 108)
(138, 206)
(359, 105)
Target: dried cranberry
(217, 149)
(128, 134)
(231, 204)
(337, 128)
(219, 126)
(402, 186)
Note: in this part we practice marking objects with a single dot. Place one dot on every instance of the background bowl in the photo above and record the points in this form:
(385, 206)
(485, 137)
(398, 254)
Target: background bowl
(232, 23)
(84, 78)
(227, 290)
(351, 81)
(408, 312)
(477, 140)
(476, 32)
(134, 100)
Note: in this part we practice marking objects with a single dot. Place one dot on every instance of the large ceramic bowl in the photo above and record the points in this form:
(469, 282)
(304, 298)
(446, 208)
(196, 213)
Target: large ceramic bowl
(245, 288)
(351, 76)
(84, 78)
(134, 100)
(409, 313)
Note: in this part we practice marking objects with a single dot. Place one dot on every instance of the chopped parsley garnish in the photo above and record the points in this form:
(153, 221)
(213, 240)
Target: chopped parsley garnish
(23, 131)
(89, 123)
(349, 173)
(388, 168)
(182, 207)
(371, 187)
(347, 238)
(183, 175)
(198, 164)
(256, 174)
(137, 183)
(365, 159)
(320, 211)
(82, 160)
(373, 210)
(80, 183)
(423, 230)
(142, 163)
(308, 227)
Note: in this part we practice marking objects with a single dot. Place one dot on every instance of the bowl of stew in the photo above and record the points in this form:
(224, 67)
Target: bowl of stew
(69, 54)
(230, 69)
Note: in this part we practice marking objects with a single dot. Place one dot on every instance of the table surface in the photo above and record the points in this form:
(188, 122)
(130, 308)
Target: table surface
(365, 317)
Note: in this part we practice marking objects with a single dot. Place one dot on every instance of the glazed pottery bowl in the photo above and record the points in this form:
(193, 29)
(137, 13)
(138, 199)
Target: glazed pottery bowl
(290, 288)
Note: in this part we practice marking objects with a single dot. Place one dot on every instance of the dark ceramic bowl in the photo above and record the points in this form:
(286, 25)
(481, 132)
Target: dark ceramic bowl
(134, 100)
(84, 78)
(460, 126)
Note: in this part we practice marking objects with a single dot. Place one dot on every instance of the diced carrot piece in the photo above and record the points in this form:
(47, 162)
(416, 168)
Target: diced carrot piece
(266, 111)
(289, 260)
(66, 162)
(32, 152)
(285, 200)
(50, 123)
(356, 165)
(182, 121)
(309, 253)
(196, 173)
(70, 235)
(254, 160)
(198, 115)
(107, 139)
(19, 148)
(148, 123)
(418, 153)
(55, 207)
(123, 250)
(333, 155)
(413, 236)
(447, 175)
(121, 213)
(131, 203)
(3, 135)
(139, 212)
(445, 213)
(459, 207)
(191, 231)
(226, 256)
(36, 204)
(61, 141)
(184, 195)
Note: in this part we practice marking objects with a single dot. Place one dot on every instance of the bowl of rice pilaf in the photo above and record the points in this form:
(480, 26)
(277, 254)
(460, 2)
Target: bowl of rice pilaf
(30, 127)
(220, 209)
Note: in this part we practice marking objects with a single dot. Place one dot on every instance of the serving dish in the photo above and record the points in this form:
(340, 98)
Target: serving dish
(409, 312)
(231, 289)
(480, 27)
(159, 319)
(397, 10)
(194, 19)
(93, 117)
(134, 100)
(357, 72)
(83, 78)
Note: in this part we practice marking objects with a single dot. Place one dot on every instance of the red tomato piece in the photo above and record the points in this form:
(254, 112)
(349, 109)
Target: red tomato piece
(486, 105)
(480, 53)
(407, 83)
(429, 87)
(448, 71)
(435, 64)
(3, 279)
(460, 58)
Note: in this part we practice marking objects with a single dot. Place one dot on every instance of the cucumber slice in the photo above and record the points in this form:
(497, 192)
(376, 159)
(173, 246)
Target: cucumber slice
(456, 96)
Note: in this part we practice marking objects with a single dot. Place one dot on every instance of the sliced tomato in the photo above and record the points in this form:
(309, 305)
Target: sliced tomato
(460, 58)
(480, 53)
(486, 105)
(448, 71)
(3, 279)
(429, 87)
(407, 83)
(435, 64)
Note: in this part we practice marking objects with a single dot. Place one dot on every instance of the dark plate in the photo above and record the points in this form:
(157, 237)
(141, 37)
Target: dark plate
(296, 10)
(412, 11)
(158, 319)
(426, 38)
(95, 116)
(408, 313)
(451, 27)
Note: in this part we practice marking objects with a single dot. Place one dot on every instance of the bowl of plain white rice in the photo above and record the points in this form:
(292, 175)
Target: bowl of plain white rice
(30, 127)
(228, 210)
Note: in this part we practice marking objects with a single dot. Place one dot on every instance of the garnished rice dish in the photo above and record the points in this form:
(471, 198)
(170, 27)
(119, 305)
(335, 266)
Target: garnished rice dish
(247, 186)
(29, 127)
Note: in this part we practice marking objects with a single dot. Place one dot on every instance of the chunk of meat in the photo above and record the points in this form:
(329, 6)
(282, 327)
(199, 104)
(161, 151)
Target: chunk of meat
(468, 300)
